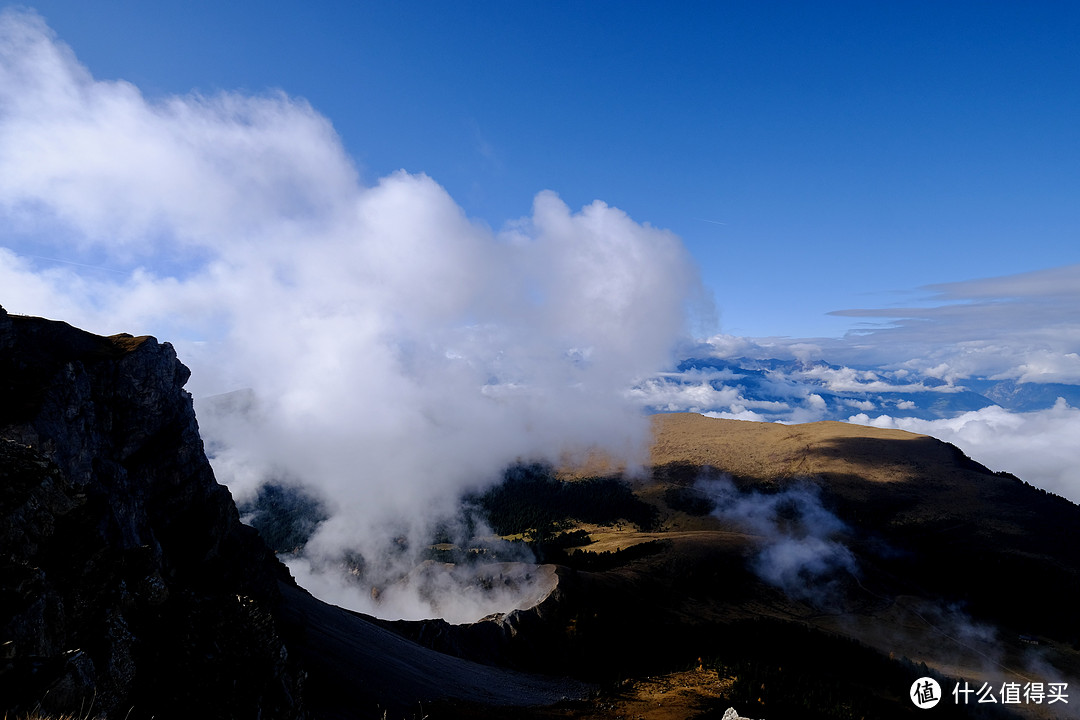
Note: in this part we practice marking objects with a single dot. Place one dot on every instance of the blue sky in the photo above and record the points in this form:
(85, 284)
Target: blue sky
(480, 224)
(421, 241)
(853, 152)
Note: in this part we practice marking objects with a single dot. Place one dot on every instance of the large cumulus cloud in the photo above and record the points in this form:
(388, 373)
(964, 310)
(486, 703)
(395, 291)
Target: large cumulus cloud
(398, 351)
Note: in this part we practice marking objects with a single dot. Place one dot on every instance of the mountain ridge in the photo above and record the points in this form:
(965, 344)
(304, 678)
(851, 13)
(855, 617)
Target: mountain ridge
(129, 581)
(131, 589)
(779, 389)
(130, 584)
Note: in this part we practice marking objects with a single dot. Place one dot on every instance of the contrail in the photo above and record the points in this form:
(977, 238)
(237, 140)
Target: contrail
(69, 262)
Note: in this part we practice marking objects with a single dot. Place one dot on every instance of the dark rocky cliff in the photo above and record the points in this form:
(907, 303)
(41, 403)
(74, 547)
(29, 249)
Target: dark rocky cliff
(127, 582)
(130, 589)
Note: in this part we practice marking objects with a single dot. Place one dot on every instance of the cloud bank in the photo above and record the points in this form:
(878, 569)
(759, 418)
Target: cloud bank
(1024, 327)
(1034, 437)
(399, 353)
(990, 365)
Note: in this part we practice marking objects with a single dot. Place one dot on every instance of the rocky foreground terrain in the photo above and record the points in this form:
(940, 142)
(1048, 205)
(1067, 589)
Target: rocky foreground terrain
(128, 585)
(810, 571)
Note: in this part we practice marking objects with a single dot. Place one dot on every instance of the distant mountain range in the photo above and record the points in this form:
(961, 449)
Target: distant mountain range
(793, 390)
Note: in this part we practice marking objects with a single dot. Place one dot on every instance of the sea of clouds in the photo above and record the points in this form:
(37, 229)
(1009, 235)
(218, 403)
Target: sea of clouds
(986, 399)
(396, 353)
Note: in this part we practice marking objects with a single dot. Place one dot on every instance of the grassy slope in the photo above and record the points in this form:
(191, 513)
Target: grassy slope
(936, 536)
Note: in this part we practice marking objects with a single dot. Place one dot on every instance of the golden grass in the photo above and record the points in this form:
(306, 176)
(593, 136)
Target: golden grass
(127, 343)
(769, 450)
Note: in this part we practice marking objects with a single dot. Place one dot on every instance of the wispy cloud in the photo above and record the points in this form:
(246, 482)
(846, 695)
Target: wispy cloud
(1024, 326)
(801, 546)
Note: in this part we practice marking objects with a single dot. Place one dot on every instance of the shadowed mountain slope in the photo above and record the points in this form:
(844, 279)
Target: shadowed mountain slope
(948, 518)
(129, 584)
(810, 571)
(130, 589)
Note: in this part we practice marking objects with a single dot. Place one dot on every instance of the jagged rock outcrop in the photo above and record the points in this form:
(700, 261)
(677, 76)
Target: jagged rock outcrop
(128, 586)
(731, 714)
(130, 589)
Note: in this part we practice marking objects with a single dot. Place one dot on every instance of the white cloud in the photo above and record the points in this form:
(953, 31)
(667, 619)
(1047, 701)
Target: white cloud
(732, 346)
(1038, 447)
(671, 394)
(737, 412)
(801, 548)
(1024, 326)
(678, 397)
(1043, 366)
(400, 352)
(846, 379)
(99, 157)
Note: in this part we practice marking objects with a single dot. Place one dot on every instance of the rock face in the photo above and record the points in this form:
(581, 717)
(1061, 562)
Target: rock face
(732, 715)
(127, 582)
(130, 589)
